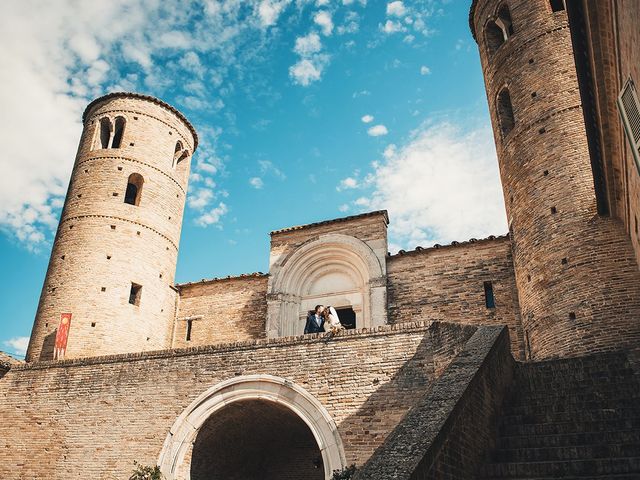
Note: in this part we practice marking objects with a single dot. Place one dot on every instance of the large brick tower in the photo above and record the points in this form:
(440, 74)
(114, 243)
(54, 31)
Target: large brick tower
(114, 257)
(578, 281)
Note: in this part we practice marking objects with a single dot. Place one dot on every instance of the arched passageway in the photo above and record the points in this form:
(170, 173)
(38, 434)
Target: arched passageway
(239, 421)
(255, 440)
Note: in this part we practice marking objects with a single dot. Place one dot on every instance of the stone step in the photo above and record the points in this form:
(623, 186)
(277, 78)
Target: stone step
(585, 416)
(571, 408)
(561, 428)
(569, 439)
(557, 386)
(622, 476)
(546, 454)
(586, 395)
(563, 468)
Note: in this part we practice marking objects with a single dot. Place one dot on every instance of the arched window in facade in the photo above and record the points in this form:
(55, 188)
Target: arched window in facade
(118, 132)
(505, 111)
(179, 154)
(504, 21)
(493, 36)
(134, 189)
(105, 132)
(497, 31)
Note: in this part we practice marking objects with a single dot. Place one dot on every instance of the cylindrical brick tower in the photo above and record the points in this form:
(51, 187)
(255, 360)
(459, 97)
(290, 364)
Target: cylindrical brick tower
(578, 282)
(114, 256)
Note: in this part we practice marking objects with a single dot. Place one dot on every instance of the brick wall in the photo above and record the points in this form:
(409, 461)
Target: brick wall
(370, 228)
(447, 284)
(91, 418)
(452, 428)
(614, 38)
(577, 276)
(103, 245)
(222, 310)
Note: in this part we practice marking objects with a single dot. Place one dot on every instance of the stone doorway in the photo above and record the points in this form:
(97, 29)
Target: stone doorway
(202, 438)
(347, 317)
(255, 440)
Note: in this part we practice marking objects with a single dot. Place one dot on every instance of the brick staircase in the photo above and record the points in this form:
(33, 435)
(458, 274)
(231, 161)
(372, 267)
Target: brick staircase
(571, 419)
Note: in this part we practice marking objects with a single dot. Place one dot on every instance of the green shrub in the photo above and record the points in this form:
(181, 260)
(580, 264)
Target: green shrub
(143, 472)
(345, 473)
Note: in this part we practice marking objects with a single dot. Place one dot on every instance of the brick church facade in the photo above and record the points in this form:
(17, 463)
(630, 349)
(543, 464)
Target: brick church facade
(513, 356)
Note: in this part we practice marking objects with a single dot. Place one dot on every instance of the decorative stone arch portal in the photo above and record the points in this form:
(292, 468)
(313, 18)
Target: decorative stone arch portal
(333, 269)
(263, 388)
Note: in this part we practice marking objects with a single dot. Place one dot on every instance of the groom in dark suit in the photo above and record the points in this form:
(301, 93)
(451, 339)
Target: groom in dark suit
(315, 321)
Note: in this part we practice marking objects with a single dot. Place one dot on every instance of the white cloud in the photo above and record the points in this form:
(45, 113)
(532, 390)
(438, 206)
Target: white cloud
(270, 10)
(57, 66)
(307, 71)
(377, 130)
(344, 207)
(443, 185)
(200, 198)
(256, 182)
(396, 9)
(213, 216)
(18, 345)
(392, 27)
(324, 21)
(308, 44)
(347, 183)
(267, 167)
(424, 70)
(367, 118)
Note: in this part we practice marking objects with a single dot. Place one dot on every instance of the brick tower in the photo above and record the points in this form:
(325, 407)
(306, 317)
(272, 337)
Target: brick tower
(578, 281)
(114, 256)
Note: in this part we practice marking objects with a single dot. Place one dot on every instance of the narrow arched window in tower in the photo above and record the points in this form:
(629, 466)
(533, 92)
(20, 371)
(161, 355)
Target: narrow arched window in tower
(118, 132)
(505, 112)
(557, 5)
(105, 132)
(134, 189)
(493, 36)
(176, 153)
(504, 21)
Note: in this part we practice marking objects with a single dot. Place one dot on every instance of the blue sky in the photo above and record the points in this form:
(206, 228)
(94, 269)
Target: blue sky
(307, 110)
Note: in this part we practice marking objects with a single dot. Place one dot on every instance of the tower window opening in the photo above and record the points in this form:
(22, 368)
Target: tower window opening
(134, 294)
(105, 132)
(505, 112)
(494, 36)
(489, 299)
(189, 327)
(179, 154)
(134, 189)
(504, 21)
(118, 132)
(557, 5)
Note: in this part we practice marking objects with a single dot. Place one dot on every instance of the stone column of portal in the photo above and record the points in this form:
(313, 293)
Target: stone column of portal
(114, 256)
(577, 278)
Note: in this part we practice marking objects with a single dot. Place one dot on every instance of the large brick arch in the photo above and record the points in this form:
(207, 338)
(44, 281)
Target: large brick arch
(350, 260)
(267, 388)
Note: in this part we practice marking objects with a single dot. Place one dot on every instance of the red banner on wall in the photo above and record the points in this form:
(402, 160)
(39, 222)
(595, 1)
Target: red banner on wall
(61, 336)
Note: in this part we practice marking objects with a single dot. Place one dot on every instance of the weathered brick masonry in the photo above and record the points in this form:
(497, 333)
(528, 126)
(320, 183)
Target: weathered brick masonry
(576, 272)
(447, 284)
(103, 244)
(222, 310)
(90, 418)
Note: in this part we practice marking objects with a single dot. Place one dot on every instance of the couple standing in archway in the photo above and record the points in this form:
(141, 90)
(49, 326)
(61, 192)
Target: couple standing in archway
(323, 319)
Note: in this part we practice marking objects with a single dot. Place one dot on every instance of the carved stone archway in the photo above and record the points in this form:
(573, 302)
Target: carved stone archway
(268, 388)
(335, 269)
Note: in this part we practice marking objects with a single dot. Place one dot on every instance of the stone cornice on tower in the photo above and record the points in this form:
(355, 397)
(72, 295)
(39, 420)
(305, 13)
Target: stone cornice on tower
(149, 98)
(472, 12)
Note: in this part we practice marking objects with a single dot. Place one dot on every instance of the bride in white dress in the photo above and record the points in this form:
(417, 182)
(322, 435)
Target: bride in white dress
(331, 320)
